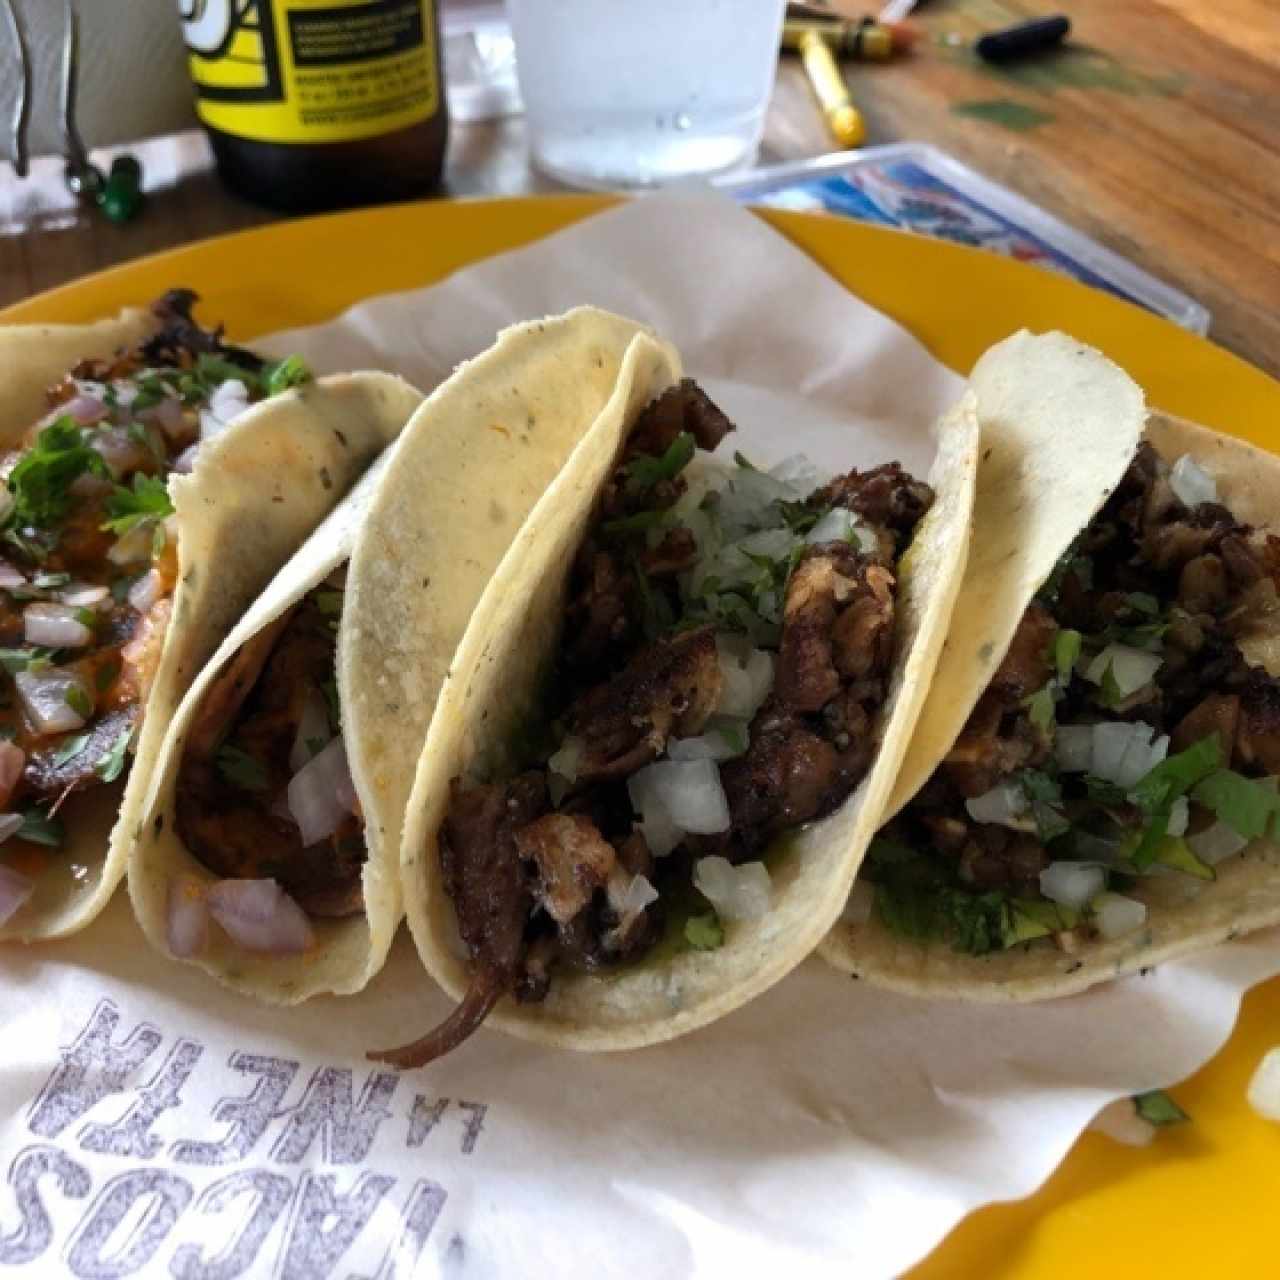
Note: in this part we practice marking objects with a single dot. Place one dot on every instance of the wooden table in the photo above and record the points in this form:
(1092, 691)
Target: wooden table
(1156, 131)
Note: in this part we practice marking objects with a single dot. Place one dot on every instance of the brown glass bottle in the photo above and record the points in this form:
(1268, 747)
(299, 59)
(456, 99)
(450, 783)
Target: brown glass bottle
(312, 104)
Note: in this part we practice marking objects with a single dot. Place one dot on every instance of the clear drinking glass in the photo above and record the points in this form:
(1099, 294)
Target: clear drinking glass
(637, 93)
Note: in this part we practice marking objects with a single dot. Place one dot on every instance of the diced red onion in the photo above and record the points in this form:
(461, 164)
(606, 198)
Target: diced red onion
(1072, 884)
(44, 698)
(1264, 1088)
(185, 462)
(1121, 1122)
(1005, 805)
(83, 595)
(85, 410)
(126, 392)
(1191, 483)
(10, 577)
(319, 794)
(146, 591)
(12, 762)
(1115, 915)
(1131, 669)
(259, 916)
(187, 918)
(1216, 843)
(88, 485)
(738, 893)
(861, 900)
(745, 684)
(1073, 747)
(55, 626)
(313, 729)
(169, 416)
(1124, 753)
(119, 450)
(688, 791)
(15, 888)
(566, 760)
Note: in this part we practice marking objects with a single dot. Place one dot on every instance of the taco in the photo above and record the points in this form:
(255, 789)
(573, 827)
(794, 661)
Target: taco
(671, 726)
(269, 852)
(1091, 787)
(150, 491)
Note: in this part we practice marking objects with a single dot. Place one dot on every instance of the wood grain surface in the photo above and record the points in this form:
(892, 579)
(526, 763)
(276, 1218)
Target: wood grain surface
(1155, 130)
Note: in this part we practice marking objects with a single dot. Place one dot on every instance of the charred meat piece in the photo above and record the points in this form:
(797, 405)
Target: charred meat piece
(669, 689)
(1258, 732)
(684, 407)
(181, 337)
(674, 554)
(837, 621)
(996, 858)
(1029, 663)
(598, 620)
(46, 777)
(485, 880)
(573, 861)
(886, 496)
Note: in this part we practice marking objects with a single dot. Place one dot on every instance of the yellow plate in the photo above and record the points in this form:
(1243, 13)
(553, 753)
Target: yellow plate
(1200, 1201)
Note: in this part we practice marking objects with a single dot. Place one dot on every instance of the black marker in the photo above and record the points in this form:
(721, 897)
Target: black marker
(1027, 37)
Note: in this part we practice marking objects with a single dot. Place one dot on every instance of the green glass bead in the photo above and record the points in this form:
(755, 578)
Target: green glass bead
(119, 201)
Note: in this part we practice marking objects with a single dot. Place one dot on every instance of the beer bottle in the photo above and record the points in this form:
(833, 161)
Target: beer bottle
(318, 104)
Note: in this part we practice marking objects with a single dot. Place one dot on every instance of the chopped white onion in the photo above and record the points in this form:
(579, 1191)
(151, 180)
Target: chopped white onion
(185, 462)
(133, 546)
(187, 917)
(1073, 747)
(83, 595)
(1179, 816)
(259, 916)
(861, 900)
(1115, 915)
(660, 833)
(1264, 1088)
(229, 399)
(55, 626)
(745, 683)
(799, 474)
(12, 762)
(44, 698)
(841, 525)
(1191, 482)
(632, 899)
(313, 730)
(319, 793)
(689, 792)
(1121, 1122)
(566, 760)
(146, 591)
(723, 740)
(737, 893)
(1131, 668)
(15, 889)
(1216, 843)
(85, 410)
(1124, 753)
(10, 577)
(1004, 805)
(776, 544)
(1072, 884)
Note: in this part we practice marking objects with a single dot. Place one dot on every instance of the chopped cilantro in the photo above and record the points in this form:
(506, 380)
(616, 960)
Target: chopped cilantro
(1175, 852)
(70, 749)
(799, 517)
(704, 932)
(110, 765)
(1066, 653)
(292, 371)
(1045, 796)
(1247, 807)
(1040, 708)
(1107, 794)
(1143, 602)
(39, 828)
(87, 618)
(645, 471)
(241, 769)
(1158, 1109)
(640, 522)
(1173, 777)
(128, 508)
(30, 659)
(211, 370)
(104, 676)
(79, 701)
(41, 482)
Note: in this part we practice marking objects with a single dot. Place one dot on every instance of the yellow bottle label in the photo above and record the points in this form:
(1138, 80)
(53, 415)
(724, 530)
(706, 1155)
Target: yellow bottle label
(311, 70)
